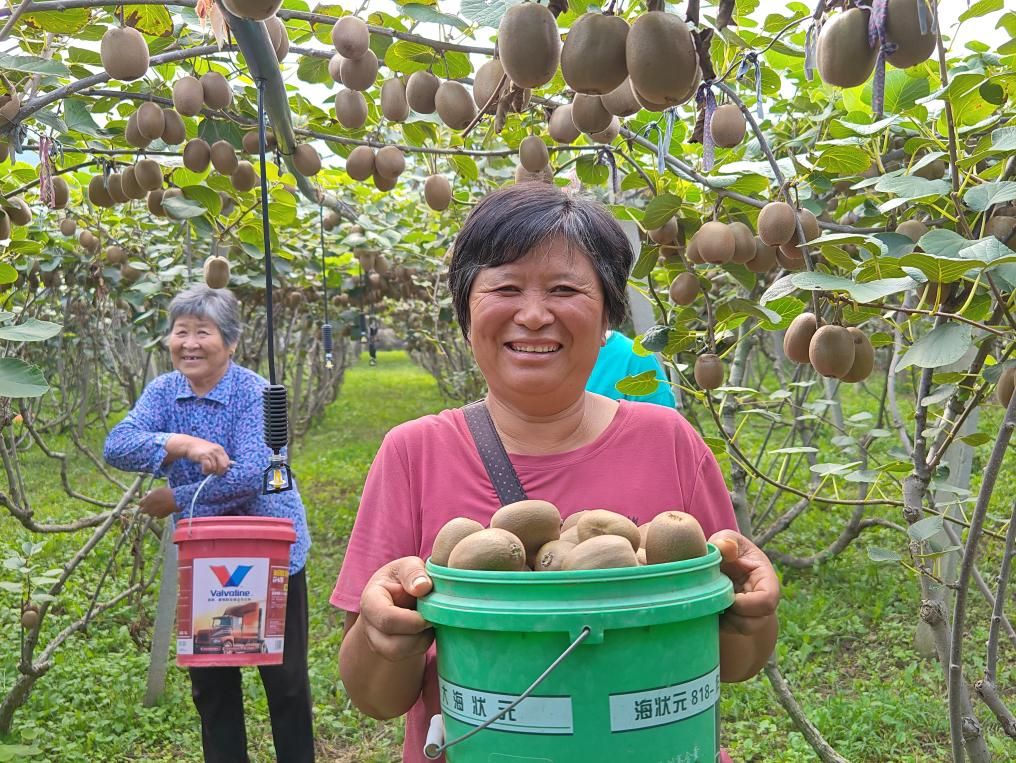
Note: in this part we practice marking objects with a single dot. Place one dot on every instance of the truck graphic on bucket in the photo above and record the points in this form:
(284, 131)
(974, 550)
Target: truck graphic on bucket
(238, 629)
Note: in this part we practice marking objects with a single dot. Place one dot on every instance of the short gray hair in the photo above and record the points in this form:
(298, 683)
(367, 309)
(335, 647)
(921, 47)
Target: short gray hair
(216, 305)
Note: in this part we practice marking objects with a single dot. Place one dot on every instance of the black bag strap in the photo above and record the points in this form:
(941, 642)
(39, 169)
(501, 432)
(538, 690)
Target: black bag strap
(495, 458)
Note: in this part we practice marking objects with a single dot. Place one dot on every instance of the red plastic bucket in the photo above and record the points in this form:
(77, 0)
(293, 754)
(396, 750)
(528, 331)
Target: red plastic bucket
(233, 582)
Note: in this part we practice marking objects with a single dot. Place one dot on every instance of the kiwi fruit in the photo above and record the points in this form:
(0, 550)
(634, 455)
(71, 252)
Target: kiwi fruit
(129, 274)
(68, 226)
(420, 91)
(115, 255)
(935, 292)
(223, 157)
(251, 142)
(797, 337)
(529, 45)
(666, 234)
(97, 193)
(533, 522)
(606, 137)
(777, 223)
(188, 96)
(588, 113)
(764, 259)
(257, 10)
(603, 522)
(561, 127)
(360, 163)
(912, 229)
(5, 227)
(809, 223)
(114, 187)
(1005, 385)
(933, 170)
(383, 183)
(831, 351)
(709, 372)
(486, 81)
(335, 68)
(661, 59)
(684, 288)
(490, 549)
(571, 534)
(215, 90)
(196, 155)
(131, 134)
(243, 178)
(437, 192)
(389, 162)
(151, 121)
(18, 210)
(789, 263)
(351, 37)
(88, 240)
(174, 132)
(728, 125)
(691, 252)
(124, 53)
(130, 186)
(359, 73)
(278, 36)
(351, 109)
(843, 55)
(593, 55)
(715, 242)
(744, 242)
(571, 521)
(394, 105)
(550, 556)
(154, 202)
(30, 617)
(903, 27)
(10, 105)
(601, 552)
(454, 105)
(864, 357)
(306, 160)
(674, 536)
(228, 205)
(621, 101)
(449, 536)
(546, 175)
(5, 150)
(216, 272)
(61, 193)
(1002, 228)
(533, 154)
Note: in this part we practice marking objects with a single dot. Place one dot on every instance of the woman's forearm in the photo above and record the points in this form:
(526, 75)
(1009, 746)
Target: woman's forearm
(742, 656)
(379, 687)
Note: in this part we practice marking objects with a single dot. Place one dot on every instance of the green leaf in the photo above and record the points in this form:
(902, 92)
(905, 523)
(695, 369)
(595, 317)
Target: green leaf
(981, 8)
(421, 133)
(793, 450)
(941, 269)
(977, 438)
(7, 275)
(925, 529)
(1003, 139)
(407, 57)
(646, 262)
(65, 23)
(787, 308)
(901, 91)
(78, 116)
(33, 65)
(485, 12)
(909, 187)
(781, 287)
(843, 160)
(465, 166)
(882, 555)
(990, 250)
(981, 197)
(871, 291)
(742, 307)
(314, 70)
(590, 172)
(655, 338)
(19, 379)
(212, 130)
(181, 208)
(32, 330)
(661, 209)
(153, 20)
(941, 346)
(644, 383)
(941, 242)
(430, 14)
(207, 198)
(864, 129)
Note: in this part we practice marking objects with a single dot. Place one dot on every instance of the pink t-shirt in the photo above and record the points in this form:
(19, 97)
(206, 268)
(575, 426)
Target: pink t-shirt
(428, 471)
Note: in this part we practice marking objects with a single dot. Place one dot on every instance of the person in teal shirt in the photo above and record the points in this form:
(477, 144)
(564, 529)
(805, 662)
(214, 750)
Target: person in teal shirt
(617, 359)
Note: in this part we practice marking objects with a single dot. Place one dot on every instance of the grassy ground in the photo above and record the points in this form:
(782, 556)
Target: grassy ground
(846, 643)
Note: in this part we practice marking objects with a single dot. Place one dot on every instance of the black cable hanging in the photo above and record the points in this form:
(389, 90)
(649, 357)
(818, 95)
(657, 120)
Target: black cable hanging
(278, 477)
(326, 327)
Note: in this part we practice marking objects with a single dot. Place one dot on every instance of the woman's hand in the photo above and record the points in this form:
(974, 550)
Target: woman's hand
(393, 628)
(159, 503)
(756, 586)
(211, 456)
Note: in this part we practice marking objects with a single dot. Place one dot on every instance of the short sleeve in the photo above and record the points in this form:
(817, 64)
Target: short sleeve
(387, 525)
(709, 495)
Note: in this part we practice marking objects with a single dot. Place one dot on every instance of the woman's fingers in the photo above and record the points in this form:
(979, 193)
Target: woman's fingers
(394, 629)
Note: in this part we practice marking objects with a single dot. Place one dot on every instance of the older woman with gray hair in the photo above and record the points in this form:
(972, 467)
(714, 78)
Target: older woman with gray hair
(205, 417)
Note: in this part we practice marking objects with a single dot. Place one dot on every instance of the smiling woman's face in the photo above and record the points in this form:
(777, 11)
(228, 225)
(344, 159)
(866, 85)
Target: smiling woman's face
(199, 352)
(537, 325)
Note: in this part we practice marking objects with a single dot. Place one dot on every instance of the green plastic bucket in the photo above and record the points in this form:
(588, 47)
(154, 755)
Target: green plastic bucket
(641, 684)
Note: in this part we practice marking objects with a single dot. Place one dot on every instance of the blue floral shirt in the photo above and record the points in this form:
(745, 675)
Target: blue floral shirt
(231, 415)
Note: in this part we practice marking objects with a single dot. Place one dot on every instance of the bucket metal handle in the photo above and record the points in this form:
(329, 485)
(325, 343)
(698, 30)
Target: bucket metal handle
(435, 744)
(194, 500)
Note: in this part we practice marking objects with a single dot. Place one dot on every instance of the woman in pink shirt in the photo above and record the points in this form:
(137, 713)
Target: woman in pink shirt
(537, 277)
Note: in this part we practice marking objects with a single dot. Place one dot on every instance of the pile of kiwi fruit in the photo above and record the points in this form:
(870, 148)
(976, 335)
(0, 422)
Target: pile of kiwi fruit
(530, 535)
(355, 67)
(837, 352)
(777, 227)
(844, 57)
